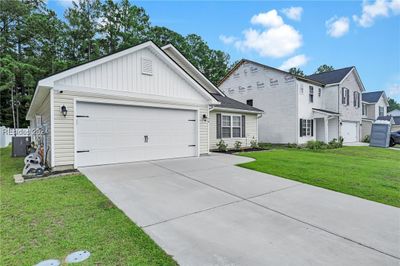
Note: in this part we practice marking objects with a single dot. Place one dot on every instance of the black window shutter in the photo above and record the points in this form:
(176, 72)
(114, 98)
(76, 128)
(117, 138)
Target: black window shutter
(312, 127)
(301, 127)
(359, 100)
(243, 126)
(354, 99)
(348, 96)
(343, 102)
(218, 126)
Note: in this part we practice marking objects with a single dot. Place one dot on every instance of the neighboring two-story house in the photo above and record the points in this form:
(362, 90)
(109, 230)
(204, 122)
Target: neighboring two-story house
(374, 105)
(298, 109)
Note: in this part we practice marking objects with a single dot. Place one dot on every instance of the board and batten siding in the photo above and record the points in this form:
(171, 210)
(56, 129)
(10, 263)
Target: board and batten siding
(44, 112)
(64, 126)
(251, 130)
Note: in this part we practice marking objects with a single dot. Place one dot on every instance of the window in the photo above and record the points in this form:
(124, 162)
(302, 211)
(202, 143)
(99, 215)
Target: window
(345, 96)
(249, 102)
(364, 109)
(319, 92)
(306, 127)
(311, 94)
(381, 111)
(356, 100)
(231, 126)
(226, 126)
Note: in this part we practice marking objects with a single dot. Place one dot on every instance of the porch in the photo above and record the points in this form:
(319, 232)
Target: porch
(326, 125)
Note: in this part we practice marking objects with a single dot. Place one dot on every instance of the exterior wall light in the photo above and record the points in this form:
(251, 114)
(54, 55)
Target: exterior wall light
(205, 117)
(64, 110)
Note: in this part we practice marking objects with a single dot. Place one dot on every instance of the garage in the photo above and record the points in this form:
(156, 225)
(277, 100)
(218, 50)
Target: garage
(349, 131)
(108, 133)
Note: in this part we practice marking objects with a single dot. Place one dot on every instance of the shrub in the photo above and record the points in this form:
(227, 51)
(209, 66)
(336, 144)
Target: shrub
(316, 145)
(366, 139)
(238, 145)
(293, 146)
(222, 146)
(254, 143)
(335, 144)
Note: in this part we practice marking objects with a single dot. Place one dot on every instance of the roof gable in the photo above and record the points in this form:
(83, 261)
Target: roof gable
(372, 97)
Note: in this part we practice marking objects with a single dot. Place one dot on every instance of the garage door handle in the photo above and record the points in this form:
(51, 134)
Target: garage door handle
(82, 116)
(82, 151)
(192, 145)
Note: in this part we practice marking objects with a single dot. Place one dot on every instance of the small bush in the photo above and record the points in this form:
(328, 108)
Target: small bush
(254, 143)
(316, 145)
(293, 146)
(222, 146)
(366, 139)
(238, 145)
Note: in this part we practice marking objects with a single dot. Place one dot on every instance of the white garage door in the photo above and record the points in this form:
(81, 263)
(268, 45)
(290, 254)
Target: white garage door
(349, 131)
(116, 133)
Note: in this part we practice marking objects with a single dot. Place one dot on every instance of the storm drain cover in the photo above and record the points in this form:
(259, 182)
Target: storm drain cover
(77, 256)
(49, 263)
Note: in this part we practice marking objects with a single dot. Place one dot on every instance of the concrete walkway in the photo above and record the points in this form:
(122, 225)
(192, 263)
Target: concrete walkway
(206, 211)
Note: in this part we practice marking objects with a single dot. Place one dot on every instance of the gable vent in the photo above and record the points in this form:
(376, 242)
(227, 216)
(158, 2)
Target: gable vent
(147, 66)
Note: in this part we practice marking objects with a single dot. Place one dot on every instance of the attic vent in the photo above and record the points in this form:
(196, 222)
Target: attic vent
(147, 66)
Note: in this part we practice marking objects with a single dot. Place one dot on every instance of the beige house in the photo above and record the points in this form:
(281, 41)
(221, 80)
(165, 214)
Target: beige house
(374, 105)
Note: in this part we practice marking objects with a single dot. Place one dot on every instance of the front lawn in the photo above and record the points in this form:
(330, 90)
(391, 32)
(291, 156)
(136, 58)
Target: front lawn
(51, 218)
(366, 172)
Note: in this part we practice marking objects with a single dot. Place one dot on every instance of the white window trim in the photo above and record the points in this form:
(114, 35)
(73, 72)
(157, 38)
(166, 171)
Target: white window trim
(344, 96)
(379, 110)
(231, 126)
(364, 109)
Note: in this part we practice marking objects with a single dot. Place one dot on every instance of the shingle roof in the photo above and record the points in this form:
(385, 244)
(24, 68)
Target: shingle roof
(396, 120)
(371, 97)
(385, 118)
(331, 77)
(230, 103)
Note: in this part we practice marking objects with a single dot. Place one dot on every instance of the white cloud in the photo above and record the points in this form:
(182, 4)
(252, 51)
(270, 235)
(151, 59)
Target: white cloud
(380, 8)
(295, 61)
(337, 27)
(227, 39)
(293, 12)
(269, 19)
(394, 91)
(276, 40)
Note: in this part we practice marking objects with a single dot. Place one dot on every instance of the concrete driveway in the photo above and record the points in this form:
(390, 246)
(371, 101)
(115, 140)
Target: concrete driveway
(206, 211)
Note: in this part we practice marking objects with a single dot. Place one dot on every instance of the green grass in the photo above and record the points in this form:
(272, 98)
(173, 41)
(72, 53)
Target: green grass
(366, 172)
(51, 218)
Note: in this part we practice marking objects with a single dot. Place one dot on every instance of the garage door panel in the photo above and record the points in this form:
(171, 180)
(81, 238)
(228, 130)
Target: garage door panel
(116, 134)
(349, 131)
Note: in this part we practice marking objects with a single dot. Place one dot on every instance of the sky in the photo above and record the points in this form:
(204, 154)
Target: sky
(284, 34)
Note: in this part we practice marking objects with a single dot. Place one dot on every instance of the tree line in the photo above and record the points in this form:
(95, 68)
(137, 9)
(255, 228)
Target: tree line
(36, 43)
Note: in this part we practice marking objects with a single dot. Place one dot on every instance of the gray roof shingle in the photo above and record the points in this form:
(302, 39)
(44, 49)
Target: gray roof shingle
(396, 120)
(331, 77)
(230, 103)
(371, 97)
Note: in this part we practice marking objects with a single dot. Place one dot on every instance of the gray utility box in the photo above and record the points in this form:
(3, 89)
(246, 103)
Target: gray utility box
(380, 135)
(20, 146)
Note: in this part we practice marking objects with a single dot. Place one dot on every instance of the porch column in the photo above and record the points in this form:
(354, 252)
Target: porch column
(326, 129)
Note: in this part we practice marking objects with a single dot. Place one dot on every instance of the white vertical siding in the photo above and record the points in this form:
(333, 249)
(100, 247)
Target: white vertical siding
(124, 74)
(277, 97)
(251, 130)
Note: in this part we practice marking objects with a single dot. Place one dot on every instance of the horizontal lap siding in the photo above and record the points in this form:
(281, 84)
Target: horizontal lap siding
(203, 130)
(251, 130)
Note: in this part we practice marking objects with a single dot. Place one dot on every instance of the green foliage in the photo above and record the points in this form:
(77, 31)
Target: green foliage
(293, 146)
(222, 146)
(335, 144)
(366, 139)
(35, 43)
(324, 68)
(316, 145)
(296, 71)
(393, 105)
(253, 143)
(238, 145)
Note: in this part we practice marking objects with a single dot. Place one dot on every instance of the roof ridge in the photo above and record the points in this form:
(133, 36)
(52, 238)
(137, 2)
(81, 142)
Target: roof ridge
(331, 71)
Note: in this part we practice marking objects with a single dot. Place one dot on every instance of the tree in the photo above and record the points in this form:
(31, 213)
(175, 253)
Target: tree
(393, 105)
(296, 71)
(83, 26)
(324, 68)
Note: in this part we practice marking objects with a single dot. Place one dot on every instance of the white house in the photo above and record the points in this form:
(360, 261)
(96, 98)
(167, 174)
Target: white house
(374, 105)
(395, 112)
(142, 103)
(298, 109)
